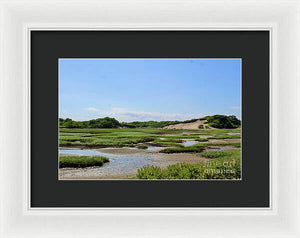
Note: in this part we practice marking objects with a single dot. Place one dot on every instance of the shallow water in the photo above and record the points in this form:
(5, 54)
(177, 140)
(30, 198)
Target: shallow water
(125, 164)
(122, 166)
(232, 134)
(203, 136)
(79, 152)
(215, 149)
(153, 148)
(219, 148)
(189, 143)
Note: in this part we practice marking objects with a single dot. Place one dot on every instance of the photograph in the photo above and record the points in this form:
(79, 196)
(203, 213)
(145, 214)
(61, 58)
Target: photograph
(141, 119)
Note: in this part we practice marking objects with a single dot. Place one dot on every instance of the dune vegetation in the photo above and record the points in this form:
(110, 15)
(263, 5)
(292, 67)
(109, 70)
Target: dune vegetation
(215, 121)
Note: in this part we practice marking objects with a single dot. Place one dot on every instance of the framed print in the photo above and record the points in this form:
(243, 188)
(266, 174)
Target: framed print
(158, 119)
(116, 87)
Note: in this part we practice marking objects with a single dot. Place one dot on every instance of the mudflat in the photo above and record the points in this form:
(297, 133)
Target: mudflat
(125, 167)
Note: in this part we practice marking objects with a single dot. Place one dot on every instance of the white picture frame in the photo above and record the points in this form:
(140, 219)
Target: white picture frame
(18, 219)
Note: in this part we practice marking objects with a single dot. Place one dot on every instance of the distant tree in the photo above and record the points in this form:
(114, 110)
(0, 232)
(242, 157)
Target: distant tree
(217, 121)
(222, 121)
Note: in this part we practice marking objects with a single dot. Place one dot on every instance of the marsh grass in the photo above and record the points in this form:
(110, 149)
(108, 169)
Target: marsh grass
(192, 136)
(188, 149)
(219, 131)
(234, 144)
(143, 146)
(201, 139)
(226, 137)
(81, 161)
(197, 147)
(225, 165)
(105, 140)
(167, 142)
(174, 140)
(231, 154)
(220, 169)
(93, 138)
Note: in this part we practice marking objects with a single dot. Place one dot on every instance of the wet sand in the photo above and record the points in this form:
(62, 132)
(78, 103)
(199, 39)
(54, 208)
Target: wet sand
(125, 162)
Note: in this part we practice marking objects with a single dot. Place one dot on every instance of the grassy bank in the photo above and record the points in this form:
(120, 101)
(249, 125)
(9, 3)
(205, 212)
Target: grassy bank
(81, 161)
(226, 137)
(166, 142)
(189, 149)
(131, 137)
(225, 165)
(197, 147)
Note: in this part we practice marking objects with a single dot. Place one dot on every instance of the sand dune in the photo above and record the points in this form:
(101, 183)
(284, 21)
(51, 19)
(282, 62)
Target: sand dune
(190, 125)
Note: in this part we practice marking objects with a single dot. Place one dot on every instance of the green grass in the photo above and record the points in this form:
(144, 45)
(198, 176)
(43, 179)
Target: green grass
(234, 144)
(81, 161)
(219, 131)
(167, 142)
(197, 147)
(201, 139)
(192, 136)
(143, 146)
(122, 130)
(132, 137)
(225, 166)
(107, 139)
(189, 149)
(232, 154)
(116, 137)
(226, 137)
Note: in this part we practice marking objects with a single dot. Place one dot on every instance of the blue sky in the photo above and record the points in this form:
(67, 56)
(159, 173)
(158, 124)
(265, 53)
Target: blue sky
(149, 89)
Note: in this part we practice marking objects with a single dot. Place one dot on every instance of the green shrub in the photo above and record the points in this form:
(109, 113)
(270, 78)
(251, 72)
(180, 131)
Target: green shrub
(224, 165)
(218, 121)
(150, 172)
(183, 171)
(222, 121)
(219, 170)
(81, 161)
(105, 122)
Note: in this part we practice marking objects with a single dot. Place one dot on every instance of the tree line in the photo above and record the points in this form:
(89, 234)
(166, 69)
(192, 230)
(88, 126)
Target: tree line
(216, 121)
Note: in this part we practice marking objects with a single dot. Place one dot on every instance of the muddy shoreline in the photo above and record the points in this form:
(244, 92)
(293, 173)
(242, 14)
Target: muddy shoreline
(123, 164)
(125, 161)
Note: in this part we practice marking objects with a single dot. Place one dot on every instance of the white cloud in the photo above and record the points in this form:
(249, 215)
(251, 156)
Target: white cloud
(235, 108)
(92, 109)
(127, 115)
